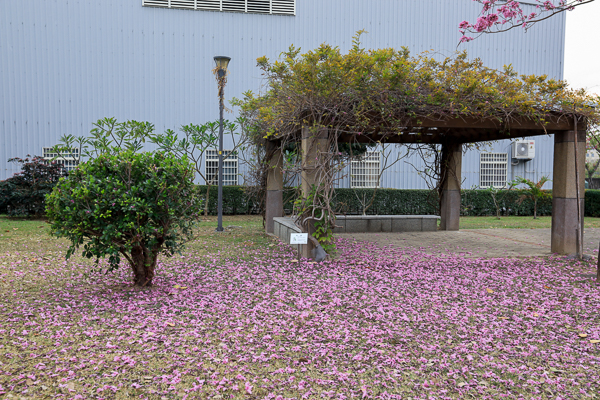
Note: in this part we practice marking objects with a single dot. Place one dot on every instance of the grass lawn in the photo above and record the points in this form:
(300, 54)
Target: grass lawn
(236, 317)
(516, 222)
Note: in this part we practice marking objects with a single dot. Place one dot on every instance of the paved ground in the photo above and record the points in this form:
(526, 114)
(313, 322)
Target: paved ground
(479, 242)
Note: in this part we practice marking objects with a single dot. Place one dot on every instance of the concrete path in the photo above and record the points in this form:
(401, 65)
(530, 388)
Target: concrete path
(478, 242)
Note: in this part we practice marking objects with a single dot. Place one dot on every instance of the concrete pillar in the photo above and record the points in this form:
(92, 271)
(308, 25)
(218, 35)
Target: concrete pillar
(313, 143)
(274, 197)
(564, 194)
(450, 204)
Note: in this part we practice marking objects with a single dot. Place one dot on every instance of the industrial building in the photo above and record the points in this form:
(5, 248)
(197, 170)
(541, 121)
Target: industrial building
(64, 64)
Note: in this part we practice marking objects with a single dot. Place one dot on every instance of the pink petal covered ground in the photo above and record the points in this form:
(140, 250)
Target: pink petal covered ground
(381, 323)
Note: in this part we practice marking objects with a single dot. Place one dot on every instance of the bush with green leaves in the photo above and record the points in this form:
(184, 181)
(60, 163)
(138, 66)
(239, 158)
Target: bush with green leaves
(24, 194)
(533, 191)
(131, 205)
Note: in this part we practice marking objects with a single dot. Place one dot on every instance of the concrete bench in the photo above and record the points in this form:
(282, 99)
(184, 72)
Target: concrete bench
(386, 223)
(284, 226)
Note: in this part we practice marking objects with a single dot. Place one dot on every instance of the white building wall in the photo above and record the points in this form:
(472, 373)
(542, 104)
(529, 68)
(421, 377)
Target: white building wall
(65, 64)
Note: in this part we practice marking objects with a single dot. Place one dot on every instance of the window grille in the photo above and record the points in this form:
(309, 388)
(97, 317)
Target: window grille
(68, 159)
(283, 7)
(493, 169)
(364, 173)
(230, 167)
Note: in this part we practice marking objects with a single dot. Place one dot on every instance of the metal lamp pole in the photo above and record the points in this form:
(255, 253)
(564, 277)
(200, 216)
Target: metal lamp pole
(221, 72)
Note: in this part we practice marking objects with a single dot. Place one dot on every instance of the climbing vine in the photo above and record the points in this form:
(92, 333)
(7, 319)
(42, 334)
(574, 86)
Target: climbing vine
(360, 94)
(367, 91)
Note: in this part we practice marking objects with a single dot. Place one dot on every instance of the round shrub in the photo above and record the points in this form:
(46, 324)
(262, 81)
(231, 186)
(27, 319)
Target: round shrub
(131, 205)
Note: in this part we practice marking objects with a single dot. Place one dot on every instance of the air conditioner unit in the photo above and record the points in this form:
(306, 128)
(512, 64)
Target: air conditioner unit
(523, 149)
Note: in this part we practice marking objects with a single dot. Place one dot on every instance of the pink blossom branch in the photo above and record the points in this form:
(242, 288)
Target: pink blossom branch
(500, 16)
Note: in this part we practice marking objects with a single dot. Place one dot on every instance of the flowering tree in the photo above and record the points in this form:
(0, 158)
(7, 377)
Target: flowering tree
(501, 16)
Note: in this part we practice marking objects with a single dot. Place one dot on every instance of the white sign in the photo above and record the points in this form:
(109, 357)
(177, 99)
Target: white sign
(298, 238)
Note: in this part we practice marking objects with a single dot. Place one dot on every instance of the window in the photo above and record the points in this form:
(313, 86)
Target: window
(230, 167)
(365, 172)
(492, 169)
(69, 160)
(284, 7)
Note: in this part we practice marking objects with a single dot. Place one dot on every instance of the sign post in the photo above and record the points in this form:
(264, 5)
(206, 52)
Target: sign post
(298, 239)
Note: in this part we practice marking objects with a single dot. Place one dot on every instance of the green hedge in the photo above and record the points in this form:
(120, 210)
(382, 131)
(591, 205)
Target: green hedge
(398, 202)
(592, 203)
(235, 200)
(425, 202)
(402, 202)
(386, 202)
(480, 202)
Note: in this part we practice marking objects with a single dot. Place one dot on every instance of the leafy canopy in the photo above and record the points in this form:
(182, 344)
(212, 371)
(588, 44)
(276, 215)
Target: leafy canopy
(383, 90)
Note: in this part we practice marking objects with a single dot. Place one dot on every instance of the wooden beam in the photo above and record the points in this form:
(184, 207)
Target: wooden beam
(461, 130)
(471, 135)
(519, 123)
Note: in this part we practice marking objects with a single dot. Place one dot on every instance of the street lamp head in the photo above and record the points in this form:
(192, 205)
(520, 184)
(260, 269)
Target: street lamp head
(222, 62)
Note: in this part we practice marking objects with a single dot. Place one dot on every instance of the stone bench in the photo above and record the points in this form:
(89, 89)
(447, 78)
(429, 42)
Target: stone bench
(284, 226)
(386, 223)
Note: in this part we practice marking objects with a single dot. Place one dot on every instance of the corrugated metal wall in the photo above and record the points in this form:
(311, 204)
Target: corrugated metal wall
(66, 63)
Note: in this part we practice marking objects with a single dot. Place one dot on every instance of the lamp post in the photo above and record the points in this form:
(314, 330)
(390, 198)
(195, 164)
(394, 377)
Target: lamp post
(221, 73)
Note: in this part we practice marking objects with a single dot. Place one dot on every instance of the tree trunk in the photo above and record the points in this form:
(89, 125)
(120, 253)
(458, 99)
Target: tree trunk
(143, 268)
(534, 208)
(496, 205)
(206, 202)
(372, 199)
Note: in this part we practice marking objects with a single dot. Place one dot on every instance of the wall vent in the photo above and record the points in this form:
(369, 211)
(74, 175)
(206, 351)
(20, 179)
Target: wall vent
(282, 7)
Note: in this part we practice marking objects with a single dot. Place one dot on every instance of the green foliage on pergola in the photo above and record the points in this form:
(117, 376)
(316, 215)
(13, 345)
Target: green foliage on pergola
(386, 91)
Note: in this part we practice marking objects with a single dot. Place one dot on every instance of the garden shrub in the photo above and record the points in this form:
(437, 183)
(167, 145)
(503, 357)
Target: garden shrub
(132, 205)
(235, 200)
(387, 201)
(474, 202)
(24, 194)
(592, 203)
(480, 203)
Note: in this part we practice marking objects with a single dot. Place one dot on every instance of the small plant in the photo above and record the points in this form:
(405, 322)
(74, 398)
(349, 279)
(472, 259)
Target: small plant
(194, 142)
(498, 194)
(534, 191)
(24, 194)
(131, 205)
(387, 159)
(308, 212)
(324, 232)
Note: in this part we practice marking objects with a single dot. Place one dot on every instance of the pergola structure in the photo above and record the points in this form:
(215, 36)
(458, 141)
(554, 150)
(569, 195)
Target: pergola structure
(451, 134)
